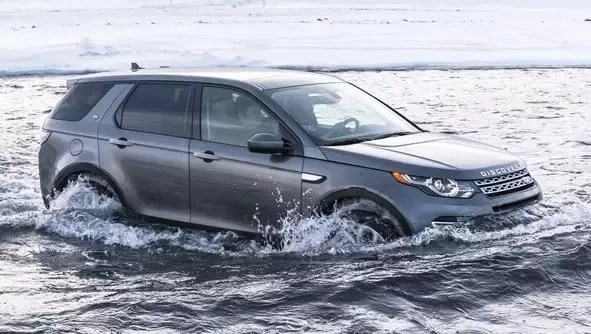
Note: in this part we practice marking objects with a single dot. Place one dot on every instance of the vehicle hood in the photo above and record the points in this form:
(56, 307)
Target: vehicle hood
(427, 154)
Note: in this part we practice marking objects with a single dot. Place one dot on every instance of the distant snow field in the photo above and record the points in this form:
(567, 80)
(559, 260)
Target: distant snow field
(54, 36)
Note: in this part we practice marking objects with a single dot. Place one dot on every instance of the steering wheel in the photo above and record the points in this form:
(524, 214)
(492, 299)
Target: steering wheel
(340, 127)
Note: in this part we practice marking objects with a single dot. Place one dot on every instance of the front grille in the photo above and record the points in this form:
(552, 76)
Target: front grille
(506, 184)
(501, 178)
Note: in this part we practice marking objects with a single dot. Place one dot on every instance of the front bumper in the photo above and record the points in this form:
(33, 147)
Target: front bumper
(422, 210)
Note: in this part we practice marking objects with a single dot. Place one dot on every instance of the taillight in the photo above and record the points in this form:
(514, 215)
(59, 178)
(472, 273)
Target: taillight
(44, 136)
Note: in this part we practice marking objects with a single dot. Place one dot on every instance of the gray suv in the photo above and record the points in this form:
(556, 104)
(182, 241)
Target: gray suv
(239, 149)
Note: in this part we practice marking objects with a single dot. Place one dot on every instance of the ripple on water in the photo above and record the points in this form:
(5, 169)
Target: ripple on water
(86, 266)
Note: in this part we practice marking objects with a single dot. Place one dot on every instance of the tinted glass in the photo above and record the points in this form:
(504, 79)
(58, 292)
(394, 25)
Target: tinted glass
(231, 117)
(339, 112)
(158, 108)
(80, 100)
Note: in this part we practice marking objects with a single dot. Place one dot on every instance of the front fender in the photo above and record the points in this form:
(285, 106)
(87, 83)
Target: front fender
(326, 203)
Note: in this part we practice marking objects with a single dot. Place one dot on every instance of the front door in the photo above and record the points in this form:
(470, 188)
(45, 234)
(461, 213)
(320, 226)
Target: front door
(231, 187)
(145, 148)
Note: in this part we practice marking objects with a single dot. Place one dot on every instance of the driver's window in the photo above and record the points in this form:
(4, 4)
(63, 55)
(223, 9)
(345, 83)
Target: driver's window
(231, 117)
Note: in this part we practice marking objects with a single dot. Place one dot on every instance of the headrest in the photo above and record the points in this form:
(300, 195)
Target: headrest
(219, 94)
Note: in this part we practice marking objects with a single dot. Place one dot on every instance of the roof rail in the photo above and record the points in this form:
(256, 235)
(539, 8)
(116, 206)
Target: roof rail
(135, 67)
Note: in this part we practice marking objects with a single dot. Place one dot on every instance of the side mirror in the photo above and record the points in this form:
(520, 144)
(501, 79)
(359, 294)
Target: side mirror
(269, 143)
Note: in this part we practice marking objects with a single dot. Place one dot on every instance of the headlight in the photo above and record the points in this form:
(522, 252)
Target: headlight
(443, 187)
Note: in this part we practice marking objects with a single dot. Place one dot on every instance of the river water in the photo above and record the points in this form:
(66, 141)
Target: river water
(82, 268)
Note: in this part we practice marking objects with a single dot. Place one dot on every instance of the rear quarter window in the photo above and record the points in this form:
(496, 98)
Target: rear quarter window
(80, 100)
(159, 109)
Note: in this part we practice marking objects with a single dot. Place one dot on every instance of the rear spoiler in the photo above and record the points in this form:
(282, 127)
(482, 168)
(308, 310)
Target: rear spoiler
(71, 82)
(135, 67)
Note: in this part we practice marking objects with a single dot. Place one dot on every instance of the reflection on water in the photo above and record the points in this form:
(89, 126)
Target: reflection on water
(85, 266)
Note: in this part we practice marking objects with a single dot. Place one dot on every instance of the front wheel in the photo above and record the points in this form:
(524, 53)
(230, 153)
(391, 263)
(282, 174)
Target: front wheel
(372, 215)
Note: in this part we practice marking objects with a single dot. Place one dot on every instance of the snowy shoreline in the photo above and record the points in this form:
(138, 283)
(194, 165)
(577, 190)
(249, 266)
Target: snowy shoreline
(48, 38)
(340, 69)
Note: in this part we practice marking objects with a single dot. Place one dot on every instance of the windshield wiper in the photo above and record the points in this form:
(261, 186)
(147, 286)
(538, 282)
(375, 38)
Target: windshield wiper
(347, 141)
(356, 140)
(392, 134)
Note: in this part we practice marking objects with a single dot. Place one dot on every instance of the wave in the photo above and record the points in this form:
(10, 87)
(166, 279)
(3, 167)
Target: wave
(79, 213)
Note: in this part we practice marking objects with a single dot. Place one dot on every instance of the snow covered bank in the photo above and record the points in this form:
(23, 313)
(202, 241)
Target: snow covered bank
(53, 36)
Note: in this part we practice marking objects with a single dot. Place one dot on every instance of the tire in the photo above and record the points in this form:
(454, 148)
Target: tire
(372, 215)
(97, 184)
(93, 181)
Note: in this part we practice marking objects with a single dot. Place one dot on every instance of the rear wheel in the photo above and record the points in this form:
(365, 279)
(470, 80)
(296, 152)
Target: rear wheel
(370, 214)
(95, 183)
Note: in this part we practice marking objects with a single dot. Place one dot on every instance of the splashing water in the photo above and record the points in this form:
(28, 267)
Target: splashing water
(78, 212)
(80, 196)
(333, 233)
(576, 217)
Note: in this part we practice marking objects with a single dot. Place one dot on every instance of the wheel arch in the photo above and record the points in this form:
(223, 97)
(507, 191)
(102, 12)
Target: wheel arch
(326, 204)
(65, 175)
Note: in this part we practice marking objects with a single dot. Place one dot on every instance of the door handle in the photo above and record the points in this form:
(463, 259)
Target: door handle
(207, 156)
(120, 142)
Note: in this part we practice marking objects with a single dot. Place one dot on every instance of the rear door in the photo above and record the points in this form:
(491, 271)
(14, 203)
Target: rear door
(232, 187)
(144, 145)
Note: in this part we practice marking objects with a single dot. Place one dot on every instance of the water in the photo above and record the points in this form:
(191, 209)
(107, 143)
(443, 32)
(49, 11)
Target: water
(83, 267)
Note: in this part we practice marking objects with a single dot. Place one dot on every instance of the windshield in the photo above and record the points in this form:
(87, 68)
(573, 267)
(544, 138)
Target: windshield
(340, 113)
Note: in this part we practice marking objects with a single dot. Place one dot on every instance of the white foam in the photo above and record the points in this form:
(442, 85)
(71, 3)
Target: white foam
(80, 196)
(569, 219)
(322, 234)
(84, 225)
(19, 202)
(80, 213)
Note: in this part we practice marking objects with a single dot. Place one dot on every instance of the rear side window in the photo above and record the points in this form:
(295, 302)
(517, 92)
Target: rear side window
(158, 108)
(80, 100)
